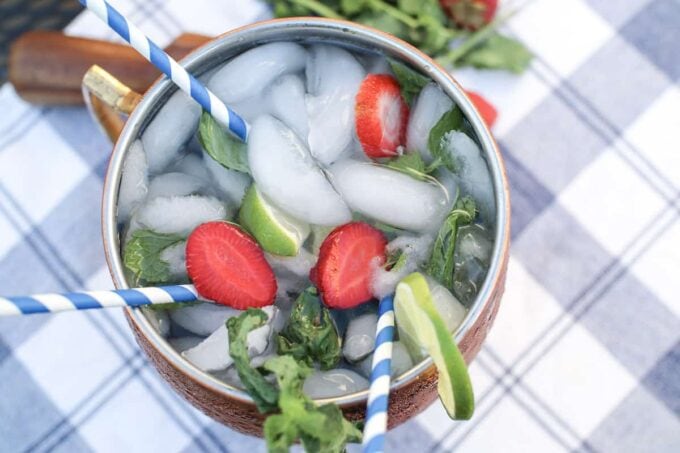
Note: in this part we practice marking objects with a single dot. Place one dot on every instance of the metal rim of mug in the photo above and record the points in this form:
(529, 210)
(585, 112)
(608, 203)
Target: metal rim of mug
(304, 30)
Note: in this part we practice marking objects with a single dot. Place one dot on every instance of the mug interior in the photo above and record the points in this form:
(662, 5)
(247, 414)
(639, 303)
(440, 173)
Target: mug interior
(306, 31)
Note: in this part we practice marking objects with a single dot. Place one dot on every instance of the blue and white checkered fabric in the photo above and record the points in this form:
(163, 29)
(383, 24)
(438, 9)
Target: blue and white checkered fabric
(585, 354)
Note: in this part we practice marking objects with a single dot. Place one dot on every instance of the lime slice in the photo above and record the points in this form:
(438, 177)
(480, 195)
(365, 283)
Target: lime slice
(419, 322)
(275, 231)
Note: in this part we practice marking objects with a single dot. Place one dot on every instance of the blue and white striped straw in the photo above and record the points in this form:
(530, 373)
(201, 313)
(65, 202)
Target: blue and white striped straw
(137, 297)
(379, 390)
(164, 62)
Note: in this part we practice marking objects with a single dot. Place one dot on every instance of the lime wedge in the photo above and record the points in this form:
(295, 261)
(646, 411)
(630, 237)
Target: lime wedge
(275, 231)
(419, 322)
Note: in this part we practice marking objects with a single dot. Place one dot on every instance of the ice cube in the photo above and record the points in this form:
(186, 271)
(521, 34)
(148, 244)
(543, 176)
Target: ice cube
(286, 98)
(179, 214)
(299, 264)
(229, 376)
(376, 64)
(134, 181)
(191, 164)
(175, 184)
(253, 107)
(212, 354)
(159, 319)
(327, 384)
(181, 344)
(333, 79)
(287, 174)
(390, 196)
(342, 318)
(289, 287)
(231, 185)
(284, 307)
(168, 132)
(474, 176)
(428, 108)
(473, 240)
(417, 250)
(249, 73)
(468, 276)
(450, 309)
(472, 256)
(175, 256)
(449, 182)
(203, 319)
(360, 337)
(401, 361)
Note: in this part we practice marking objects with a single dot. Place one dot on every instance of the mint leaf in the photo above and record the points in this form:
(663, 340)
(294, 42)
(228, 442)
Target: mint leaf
(221, 146)
(434, 36)
(318, 428)
(311, 335)
(498, 52)
(411, 164)
(410, 81)
(280, 432)
(172, 306)
(410, 6)
(352, 6)
(451, 120)
(383, 22)
(338, 431)
(441, 263)
(142, 256)
(263, 393)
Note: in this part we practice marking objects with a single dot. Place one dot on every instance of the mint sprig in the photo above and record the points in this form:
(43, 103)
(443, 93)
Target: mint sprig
(311, 335)
(318, 428)
(441, 263)
(142, 256)
(221, 146)
(424, 24)
(411, 164)
(450, 121)
(263, 393)
(410, 81)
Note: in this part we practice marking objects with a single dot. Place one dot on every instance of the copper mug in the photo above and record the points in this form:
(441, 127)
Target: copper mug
(411, 392)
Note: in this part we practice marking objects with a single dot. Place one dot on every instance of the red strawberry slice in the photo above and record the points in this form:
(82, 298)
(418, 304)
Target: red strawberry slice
(227, 266)
(470, 14)
(347, 259)
(381, 116)
(484, 107)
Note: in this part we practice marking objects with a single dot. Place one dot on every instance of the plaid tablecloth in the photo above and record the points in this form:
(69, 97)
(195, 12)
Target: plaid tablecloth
(585, 354)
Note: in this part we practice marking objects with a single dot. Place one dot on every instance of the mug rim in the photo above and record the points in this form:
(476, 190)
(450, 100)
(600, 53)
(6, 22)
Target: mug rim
(246, 37)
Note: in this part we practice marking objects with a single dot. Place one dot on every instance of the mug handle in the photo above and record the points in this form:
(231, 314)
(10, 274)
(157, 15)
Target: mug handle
(108, 99)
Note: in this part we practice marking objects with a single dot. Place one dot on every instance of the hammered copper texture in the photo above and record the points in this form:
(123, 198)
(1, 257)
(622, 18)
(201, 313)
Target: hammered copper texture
(405, 402)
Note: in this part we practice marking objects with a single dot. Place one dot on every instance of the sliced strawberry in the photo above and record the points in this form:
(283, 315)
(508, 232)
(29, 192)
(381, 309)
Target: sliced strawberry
(347, 258)
(227, 266)
(484, 107)
(381, 116)
(470, 14)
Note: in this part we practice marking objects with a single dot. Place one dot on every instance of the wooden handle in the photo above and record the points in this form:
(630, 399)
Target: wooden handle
(48, 67)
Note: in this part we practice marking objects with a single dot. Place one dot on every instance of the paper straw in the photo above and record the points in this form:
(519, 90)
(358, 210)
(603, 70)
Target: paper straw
(379, 390)
(166, 64)
(137, 297)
